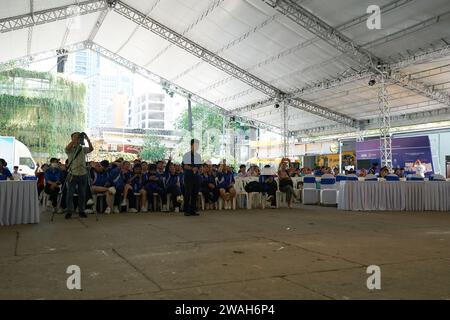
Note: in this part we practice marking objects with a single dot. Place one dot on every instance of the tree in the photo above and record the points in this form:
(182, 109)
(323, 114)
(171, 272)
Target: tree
(204, 119)
(153, 149)
(209, 123)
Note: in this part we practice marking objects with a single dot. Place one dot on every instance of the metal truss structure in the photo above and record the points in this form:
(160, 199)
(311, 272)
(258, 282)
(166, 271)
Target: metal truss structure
(223, 64)
(285, 128)
(322, 30)
(45, 55)
(91, 6)
(368, 64)
(51, 15)
(442, 114)
(173, 87)
(194, 49)
(385, 125)
(27, 60)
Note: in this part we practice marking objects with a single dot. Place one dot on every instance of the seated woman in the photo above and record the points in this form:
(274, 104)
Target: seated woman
(225, 185)
(286, 186)
(101, 185)
(269, 185)
(208, 187)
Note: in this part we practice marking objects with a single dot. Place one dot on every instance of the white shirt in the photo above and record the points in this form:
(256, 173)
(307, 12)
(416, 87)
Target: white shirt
(17, 176)
(187, 158)
(420, 170)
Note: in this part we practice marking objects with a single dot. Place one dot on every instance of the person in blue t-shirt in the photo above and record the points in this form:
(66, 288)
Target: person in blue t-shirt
(137, 187)
(120, 175)
(172, 185)
(5, 174)
(208, 186)
(101, 184)
(155, 185)
(225, 184)
(53, 182)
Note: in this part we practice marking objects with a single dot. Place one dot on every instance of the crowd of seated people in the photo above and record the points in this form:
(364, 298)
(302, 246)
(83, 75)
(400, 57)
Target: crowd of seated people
(133, 185)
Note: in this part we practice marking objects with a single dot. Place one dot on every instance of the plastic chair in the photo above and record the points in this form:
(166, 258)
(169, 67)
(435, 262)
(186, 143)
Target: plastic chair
(310, 194)
(371, 177)
(221, 203)
(414, 177)
(437, 177)
(241, 193)
(392, 177)
(280, 196)
(202, 200)
(254, 198)
(95, 197)
(352, 177)
(328, 191)
(29, 178)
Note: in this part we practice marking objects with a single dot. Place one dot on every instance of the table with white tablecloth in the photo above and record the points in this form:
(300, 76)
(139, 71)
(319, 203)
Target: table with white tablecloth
(19, 202)
(394, 195)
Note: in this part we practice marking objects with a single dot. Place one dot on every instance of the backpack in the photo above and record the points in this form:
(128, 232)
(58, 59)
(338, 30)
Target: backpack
(253, 186)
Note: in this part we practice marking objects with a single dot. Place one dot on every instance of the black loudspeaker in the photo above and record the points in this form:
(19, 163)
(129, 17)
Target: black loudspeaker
(61, 60)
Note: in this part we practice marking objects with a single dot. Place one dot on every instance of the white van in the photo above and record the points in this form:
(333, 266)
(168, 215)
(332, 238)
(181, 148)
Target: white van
(16, 153)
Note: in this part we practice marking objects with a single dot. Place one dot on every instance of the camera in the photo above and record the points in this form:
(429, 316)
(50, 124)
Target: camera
(81, 138)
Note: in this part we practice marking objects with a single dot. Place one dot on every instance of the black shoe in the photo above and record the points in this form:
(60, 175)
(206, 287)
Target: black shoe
(187, 214)
(195, 214)
(83, 215)
(68, 216)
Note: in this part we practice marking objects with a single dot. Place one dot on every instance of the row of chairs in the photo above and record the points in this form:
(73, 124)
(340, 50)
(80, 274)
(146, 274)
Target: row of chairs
(310, 189)
(389, 177)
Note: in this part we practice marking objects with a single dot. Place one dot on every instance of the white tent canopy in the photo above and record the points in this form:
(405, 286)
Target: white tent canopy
(243, 55)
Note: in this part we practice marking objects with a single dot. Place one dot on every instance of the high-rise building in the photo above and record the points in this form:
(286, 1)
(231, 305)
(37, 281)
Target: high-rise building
(148, 112)
(109, 88)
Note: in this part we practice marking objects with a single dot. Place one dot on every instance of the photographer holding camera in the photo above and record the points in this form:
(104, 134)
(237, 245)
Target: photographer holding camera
(77, 178)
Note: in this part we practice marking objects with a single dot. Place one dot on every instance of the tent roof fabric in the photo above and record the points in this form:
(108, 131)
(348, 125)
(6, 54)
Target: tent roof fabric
(260, 40)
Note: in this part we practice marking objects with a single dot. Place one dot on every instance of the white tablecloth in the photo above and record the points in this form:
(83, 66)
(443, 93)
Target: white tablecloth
(394, 195)
(19, 202)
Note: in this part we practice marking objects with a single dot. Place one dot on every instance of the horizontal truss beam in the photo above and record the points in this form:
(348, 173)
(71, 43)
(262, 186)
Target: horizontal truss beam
(51, 15)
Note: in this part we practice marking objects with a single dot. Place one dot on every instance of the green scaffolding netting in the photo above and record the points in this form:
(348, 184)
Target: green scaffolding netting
(40, 109)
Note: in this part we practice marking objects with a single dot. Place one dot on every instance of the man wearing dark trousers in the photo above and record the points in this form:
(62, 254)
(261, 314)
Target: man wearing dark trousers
(77, 178)
(191, 162)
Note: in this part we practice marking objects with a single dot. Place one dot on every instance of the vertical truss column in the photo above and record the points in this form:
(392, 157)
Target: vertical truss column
(285, 129)
(385, 125)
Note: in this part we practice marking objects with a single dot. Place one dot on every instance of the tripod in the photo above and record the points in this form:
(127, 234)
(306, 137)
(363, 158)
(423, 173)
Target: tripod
(69, 177)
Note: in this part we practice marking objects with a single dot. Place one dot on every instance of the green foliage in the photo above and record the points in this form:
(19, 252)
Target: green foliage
(153, 150)
(29, 74)
(209, 123)
(40, 109)
(201, 115)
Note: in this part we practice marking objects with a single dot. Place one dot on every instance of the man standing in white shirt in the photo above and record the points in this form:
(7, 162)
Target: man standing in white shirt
(420, 168)
(191, 162)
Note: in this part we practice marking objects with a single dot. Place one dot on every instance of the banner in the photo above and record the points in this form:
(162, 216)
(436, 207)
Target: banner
(405, 151)
(129, 149)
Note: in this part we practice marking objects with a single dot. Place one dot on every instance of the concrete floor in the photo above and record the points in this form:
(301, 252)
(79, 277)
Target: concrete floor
(305, 253)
